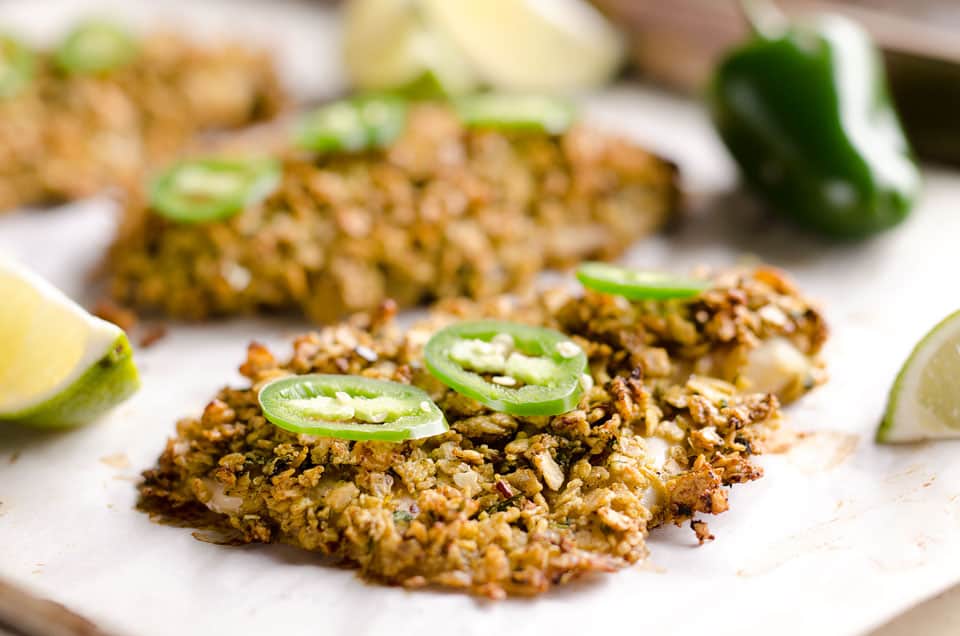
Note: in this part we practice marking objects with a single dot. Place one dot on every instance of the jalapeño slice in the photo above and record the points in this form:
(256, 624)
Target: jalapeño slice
(352, 125)
(351, 407)
(95, 47)
(17, 64)
(638, 285)
(510, 367)
(212, 189)
(534, 113)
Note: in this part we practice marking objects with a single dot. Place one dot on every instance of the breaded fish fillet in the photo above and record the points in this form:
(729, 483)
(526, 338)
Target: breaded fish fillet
(503, 504)
(443, 211)
(67, 136)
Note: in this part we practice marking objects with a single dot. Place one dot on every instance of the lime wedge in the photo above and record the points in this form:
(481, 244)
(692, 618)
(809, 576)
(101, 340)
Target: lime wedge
(531, 45)
(61, 367)
(388, 45)
(924, 402)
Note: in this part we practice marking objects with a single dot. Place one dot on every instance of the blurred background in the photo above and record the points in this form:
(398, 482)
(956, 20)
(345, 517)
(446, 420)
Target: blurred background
(671, 45)
(678, 44)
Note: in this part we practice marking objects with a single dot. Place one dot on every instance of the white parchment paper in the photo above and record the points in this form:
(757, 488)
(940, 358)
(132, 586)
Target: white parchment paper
(838, 536)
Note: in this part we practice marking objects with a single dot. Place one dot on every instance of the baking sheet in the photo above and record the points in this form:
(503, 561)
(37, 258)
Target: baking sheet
(837, 537)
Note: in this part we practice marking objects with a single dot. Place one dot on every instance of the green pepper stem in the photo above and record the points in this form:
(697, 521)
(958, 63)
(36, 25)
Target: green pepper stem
(765, 19)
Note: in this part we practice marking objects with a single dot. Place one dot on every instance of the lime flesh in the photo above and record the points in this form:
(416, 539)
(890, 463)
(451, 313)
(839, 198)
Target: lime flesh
(61, 366)
(111, 380)
(388, 45)
(531, 45)
(924, 402)
(454, 48)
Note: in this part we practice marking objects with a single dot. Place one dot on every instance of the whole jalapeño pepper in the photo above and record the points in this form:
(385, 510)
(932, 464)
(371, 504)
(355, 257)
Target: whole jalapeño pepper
(805, 110)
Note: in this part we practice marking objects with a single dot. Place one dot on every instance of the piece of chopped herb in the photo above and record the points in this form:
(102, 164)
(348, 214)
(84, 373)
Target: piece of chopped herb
(500, 506)
(402, 516)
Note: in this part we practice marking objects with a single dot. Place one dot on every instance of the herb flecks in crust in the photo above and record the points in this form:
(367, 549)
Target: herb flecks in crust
(504, 504)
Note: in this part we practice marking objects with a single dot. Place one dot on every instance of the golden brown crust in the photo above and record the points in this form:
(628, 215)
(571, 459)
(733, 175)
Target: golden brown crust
(66, 137)
(442, 212)
(500, 504)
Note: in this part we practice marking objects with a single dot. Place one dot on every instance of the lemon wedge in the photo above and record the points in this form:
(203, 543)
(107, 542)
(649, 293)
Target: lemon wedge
(61, 367)
(924, 402)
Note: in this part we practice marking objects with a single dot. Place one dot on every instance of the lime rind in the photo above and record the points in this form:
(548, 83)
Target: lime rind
(110, 381)
(103, 375)
(906, 418)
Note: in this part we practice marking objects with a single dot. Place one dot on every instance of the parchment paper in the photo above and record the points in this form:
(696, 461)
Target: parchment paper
(837, 537)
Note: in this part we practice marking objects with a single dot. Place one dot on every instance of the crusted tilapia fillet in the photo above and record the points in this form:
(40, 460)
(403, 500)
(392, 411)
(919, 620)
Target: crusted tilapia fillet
(67, 136)
(443, 211)
(504, 504)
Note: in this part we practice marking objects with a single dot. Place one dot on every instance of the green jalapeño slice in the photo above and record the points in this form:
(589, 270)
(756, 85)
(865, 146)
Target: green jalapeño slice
(95, 47)
(352, 125)
(213, 189)
(637, 285)
(535, 113)
(351, 407)
(510, 367)
(17, 64)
